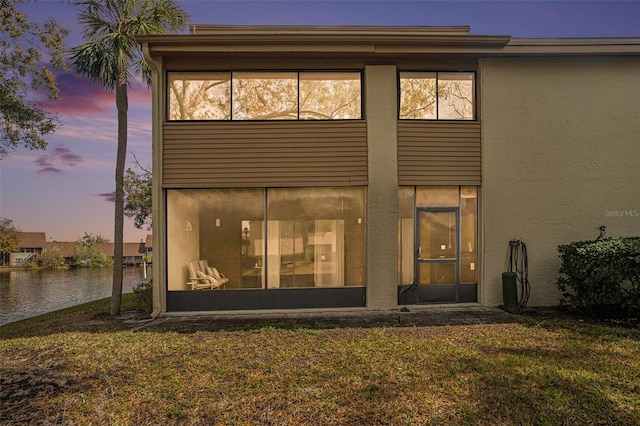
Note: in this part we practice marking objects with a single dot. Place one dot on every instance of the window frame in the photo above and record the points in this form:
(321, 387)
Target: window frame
(231, 73)
(474, 74)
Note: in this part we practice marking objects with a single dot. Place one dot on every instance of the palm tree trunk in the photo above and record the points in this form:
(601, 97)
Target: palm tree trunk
(122, 105)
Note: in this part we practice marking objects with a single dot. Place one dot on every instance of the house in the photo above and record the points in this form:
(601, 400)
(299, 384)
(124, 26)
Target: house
(65, 248)
(331, 167)
(32, 244)
(30, 248)
(133, 252)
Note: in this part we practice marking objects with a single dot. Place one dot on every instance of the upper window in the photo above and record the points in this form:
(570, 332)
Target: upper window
(437, 96)
(265, 96)
(199, 96)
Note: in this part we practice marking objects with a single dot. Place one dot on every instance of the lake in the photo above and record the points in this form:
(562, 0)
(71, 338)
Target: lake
(25, 294)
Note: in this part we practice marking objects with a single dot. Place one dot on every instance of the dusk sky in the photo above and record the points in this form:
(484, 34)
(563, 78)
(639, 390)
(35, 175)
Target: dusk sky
(61, 191)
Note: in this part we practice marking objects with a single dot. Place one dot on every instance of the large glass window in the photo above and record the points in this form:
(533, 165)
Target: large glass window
(224, 227)
(314, 237)
(437, 95)
(265, 95)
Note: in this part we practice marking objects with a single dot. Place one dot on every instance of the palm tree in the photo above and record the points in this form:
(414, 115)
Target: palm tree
(111, 57)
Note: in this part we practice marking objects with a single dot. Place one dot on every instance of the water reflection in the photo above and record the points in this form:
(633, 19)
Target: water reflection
(25, 294)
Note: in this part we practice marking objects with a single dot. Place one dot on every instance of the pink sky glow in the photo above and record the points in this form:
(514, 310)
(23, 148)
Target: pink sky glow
(64, 191)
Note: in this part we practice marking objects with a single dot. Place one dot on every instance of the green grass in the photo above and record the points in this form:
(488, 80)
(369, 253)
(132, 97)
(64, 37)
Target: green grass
(82, 367)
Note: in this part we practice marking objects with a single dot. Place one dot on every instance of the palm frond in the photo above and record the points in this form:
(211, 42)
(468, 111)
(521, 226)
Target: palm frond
(110, 54)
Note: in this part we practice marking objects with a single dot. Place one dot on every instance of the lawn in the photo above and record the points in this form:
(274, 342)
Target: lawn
(78, 366)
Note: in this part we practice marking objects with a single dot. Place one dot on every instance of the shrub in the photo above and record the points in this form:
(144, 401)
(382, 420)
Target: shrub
(601, 277)
(143, 295)
(52, 258)
(30, 265)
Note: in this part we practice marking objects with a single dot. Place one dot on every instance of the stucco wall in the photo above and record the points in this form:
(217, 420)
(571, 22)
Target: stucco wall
(382, 196)
(561, 157)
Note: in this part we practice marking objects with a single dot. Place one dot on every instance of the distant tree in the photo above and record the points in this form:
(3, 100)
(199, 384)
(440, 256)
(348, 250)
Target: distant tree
(89, 239)
(111, 56)
(52, 258)
(24, 46)
(85, 253)
(8, 239)
(137, 189)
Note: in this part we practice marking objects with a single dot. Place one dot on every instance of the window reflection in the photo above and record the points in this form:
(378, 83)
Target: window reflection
(437, 95)
(455, 96)
(199, 96)
(264, 95)
(330, 96)
(418, 95)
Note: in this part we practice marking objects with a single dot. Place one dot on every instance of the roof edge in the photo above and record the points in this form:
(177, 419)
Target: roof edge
(576, 41)
(376, 40)
(324, 29)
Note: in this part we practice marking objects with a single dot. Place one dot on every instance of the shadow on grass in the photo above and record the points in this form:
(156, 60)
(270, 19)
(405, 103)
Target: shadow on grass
(91, 317)
(577, 376)
(449, 317)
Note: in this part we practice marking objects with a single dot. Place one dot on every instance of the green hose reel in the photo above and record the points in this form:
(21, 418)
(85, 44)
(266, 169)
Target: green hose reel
(509, 292)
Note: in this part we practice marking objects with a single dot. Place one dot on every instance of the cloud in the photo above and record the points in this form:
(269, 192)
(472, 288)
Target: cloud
(139, 93)
(65, 155)
(107, 196)
(43, 161)
(59, 158)
(50, 171)
(81, 97)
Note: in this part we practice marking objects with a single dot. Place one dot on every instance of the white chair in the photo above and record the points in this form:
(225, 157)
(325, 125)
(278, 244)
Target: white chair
(218, 276)
(199, 280)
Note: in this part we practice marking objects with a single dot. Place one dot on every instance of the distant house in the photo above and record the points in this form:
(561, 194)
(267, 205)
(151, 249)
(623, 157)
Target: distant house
(30, 249)
(65, 248)
(132, 252)
(32, 245)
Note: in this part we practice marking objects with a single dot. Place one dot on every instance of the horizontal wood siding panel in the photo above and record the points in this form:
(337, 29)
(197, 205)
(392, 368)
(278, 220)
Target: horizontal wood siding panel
(439, 153)
(257, 154)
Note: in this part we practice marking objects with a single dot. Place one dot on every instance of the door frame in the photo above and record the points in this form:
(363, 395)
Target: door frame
(447, 293)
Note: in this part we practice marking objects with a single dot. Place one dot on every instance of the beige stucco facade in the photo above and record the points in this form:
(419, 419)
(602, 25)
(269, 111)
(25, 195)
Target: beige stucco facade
(382, 205)
(557, 129)
(561, 157)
